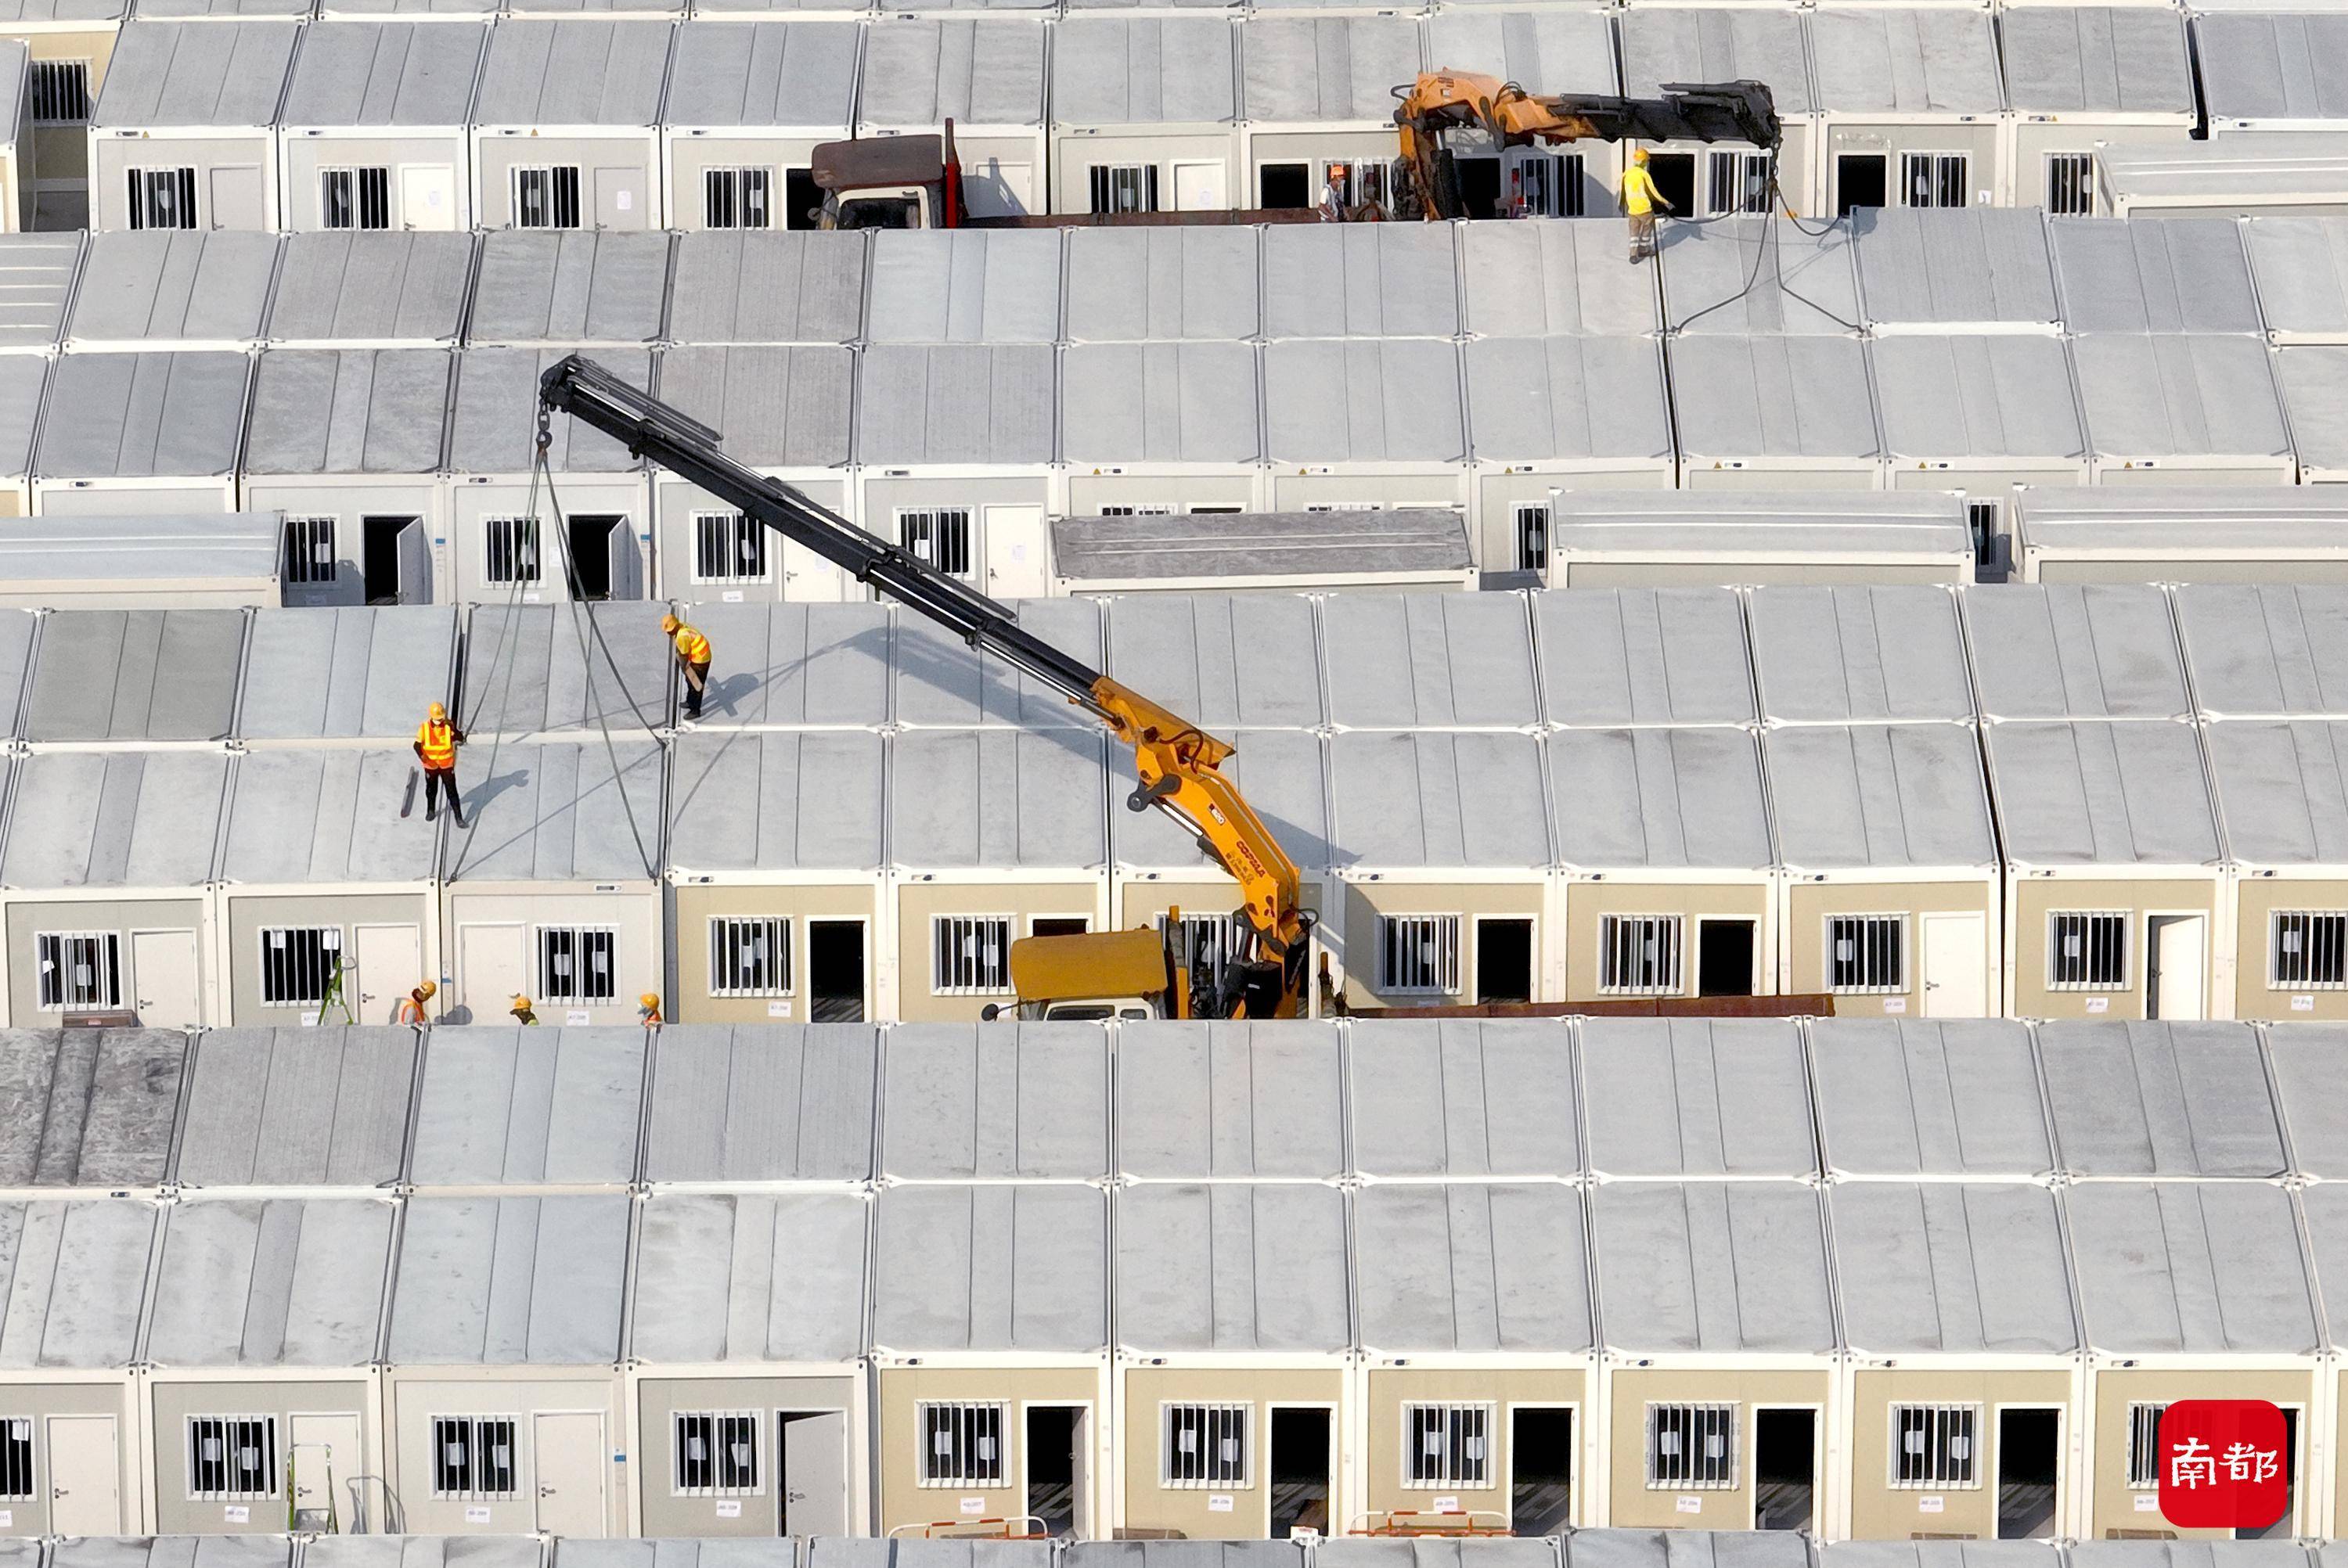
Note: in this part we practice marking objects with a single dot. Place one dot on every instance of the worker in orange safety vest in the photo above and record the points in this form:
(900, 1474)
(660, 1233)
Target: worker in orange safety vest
(648, 1008)
(692, 658)
(437, 741)
(411, 1010)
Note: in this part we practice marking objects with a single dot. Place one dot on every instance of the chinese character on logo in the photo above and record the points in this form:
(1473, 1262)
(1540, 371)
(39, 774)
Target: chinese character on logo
(2221, 1464)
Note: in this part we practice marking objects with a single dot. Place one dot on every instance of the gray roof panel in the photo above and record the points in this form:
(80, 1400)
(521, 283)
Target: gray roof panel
(1230, 1102)
(2271, 65)
(2160, 1100)
(1643, 656)
(1901, 1097)
(512, 1104)
(1688, 1549)
(16, 629)
(1470, 1268)
(2326, 1206)
(777, 407)
(768, 285)
(210, 74)
(940, 680)
(136, 675)
(776, 801)
(991, 1268)
(574, 72)
(1671, 799)
(1993, 395)
(277, 1283)
(2196, 1268)
(78, 1273)
(1563, 50)
(1282, 774)
(1713, 1266)
(2310, 1090)
(2154, 275)
(1222, 661)
(1300, 70)
(2302, 267)
(2058, 651)
(2280, 790)
(1436, 799)
(1661, 1091)
(531, 669)
(762, 1103)
(1940, 1268)
(1773, 397)
(1861, 653)
(1026, 1101)
(965, 286)
(920, 73)
(1360, 279)
(1906, 60)
(36, 278)
(2087, 60)
(958, 403)
(420, 1551)
(2169, 395)
(91, 1107)
(327, 411)
(361, 671)
(581, 286)
(2101, 795)
(1144, 71)
(1363, 400)
(508, 1281)
(796, 664)
(115, 819)
(297, 1107)
(1948, 267)
(998, 799)
(1431, 661)
(734, 1278)
(1760, 42)
(369, 287)
(23, 381)
(173, 285)
(144, 416)
(2313, 381)
(1733, 276)
(1464, 1099)
(1171, 284)
(327, 817)
(1567, 398)
(1542, 277)
(1243, 1266)
(1878, 796)
(762, 75)
(1160, 403)
(383, 76)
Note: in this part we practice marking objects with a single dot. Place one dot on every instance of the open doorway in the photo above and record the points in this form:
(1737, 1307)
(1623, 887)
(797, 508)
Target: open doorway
(811, 1477)
(2175, 948)
(2028, 1450)
(1300, 1469)
(835, 971)
(1479, 187)
(1055, 1467)
(1674, 176)
(1285, 185)
(2286, 1527)
(1724, 958)
(1059, 925)
(1504, 960)
(1784, 1467)
(592, 552)
(1861, 180)
(394, 562)
(802, 199)
(1541, 1469)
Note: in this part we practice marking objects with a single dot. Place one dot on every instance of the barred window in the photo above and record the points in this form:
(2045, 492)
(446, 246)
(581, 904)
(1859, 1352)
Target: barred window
(2086, 950)
(355, 198)
(1204, 945)
(79, 970)
(716, 1453)
(309, 549)
(962, 1444)
(1553, 185)
(296, 962)
(509, 549)
(728, 548)
(2144, 1445)
(2310, 949)
(1341, 506)
(163, 199)
(577, 963)
(970, 955)
(1639, 955)
(15, 1460)
(1418, 953)
(1124, 186)
(60, 92)
(2071, 184)
(736, 198)
(750, 955)
(1737, 183)
(546, 198)
(1982, 517)
(939, 537)
(1450, 1445)
(1532, 536)
(1691, 1448)
(1867, 954)
(1933, 1447)
(232, 1458)
(1933, 179)
(473, 1457)
(1206, 1445)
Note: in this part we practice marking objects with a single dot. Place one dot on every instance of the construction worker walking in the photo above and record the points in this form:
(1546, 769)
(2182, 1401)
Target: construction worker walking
(437, 741)
(411, 1009)
(1640, 199)
(692, 658)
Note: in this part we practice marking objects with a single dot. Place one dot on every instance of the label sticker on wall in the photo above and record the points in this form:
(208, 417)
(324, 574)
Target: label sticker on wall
(476, 1514)
(625, 200)
(778, 1009)
(1932, 1504)
(2302, 1004)
(237, 1513)
(1219, 1502)
(974, 1505)
(2099, 1004)
(1895, 1004)
(7, 1519)
(1446, 1506)
(2148, 1503)
(1688, 1505)
(575, 1015)
(730, 1508)
(731, 596)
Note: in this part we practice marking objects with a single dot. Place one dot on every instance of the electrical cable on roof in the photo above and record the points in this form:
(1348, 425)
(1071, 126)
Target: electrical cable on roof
(1774, 241)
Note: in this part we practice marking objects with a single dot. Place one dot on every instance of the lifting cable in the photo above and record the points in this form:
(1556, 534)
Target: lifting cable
(1772, 242)
(509, 634)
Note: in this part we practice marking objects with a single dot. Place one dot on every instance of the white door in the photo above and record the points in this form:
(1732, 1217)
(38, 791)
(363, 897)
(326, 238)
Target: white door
(427, 197)
(415, 564)
(619, 199)
(163, 978)
(391, 964)
(1015, 552)
(1200, 187)
(490, 971)
(84, 1476)
(2175, 948)
(809, 579)
(566, 1451)
(325, 1458)
(1955, 960)
(998, 189)
(815, 1473)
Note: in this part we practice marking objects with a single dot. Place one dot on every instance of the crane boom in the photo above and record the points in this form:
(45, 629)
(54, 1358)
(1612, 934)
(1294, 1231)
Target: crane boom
(1177, 761)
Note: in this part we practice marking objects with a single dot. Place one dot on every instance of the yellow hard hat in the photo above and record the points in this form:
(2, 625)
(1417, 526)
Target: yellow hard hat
(428, 988)
(437, 712)
(1638, 155)
(650, 999)
(670, 623)
(520, 1001)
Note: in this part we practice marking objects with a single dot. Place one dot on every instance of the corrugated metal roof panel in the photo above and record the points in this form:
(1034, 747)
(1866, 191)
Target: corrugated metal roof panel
(1317, 70)
(2313, 381)
(1760, 42)
(1696, 1097)
(384, 74)
(1160, 403)
(1485, 1268)
(1955, 266)
(330, 411)
(177, 1552)
(371, 287)
(1688, 1549)
(277, 1283)
(1025, 1102)
(777, 407)
(2103, 794)
(1938, 1268)
(1223, 661)
(1860, 653)
(1545, 276)
(991, 1268)
(16, 628)
(1658, 799)
(227, 75)
(573, 72)
(768, 285)
(1878, 796)
(2189, 1269)
(2154, 275)
(1434, 661)
(136, 675)
(735, 1277)
(1759, 275)
(2171, 394)
(1743, 398)
(955, 403)
(2302, 267)
(764, 1103)
(143, 416)
(823, 664)
(2160, 1100)
(2326, 1204)
(965, 286)
(1363, 400)
(561, 817)
(1230, 1101)
(1177, 282)
(919, 74)
(1994, 395)
(2074, 651)
(762, 75)
(1000, 799)
(64, 10)
(1232, 1266)
(1643, 656)
(1360, 279)
(297, 1107)
(24, 377)
(574, 287)
(115, 819)
(1545, 51)
(530, 669)
(2096, 59)
(2271, 65)
(2281, 791)
(1112, 70)
(362, 670)
(505, 1281)
(326, 817)
(96, 1106)
(2312, 1095)
(78, 1273)
(940, 680)
(494, 420)
(777, 801)
(425, 1551)
(1546, 399)
(1463, 1098)
(512, 1104)
(36, 278)
(1917, 1098)
(1438, 799)
(1713, 1268)
(2192, 521)
(1282, 774)
(173, 285)
(1906, 60)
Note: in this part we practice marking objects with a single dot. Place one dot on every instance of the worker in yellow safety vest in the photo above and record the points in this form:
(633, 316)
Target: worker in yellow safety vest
(411, 1010)
(692, 658)
(437, 741)
(1640, 200)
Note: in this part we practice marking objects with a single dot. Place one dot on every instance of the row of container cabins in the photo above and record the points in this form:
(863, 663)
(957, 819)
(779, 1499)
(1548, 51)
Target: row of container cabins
(1928, 1280)
(1569, 797)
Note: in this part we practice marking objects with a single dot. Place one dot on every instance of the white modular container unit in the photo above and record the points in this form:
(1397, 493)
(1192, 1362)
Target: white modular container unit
(39, 273)
(2301, 265)
(1179, 423)
(1358, 422)
(517, 1106)
(1144, 115)
(23, 384)
(797, 667)
(2237, 535)
(1317, 91)
(2182, 408)
(1912, 107)
(2154, 275)
(2243, 174)
(1858, 655)
(141, 433)
(183, 134)
(1546, 52)
(2312, 378)
(74, 38)
(1585, 413)
(1220, 660)
(2266, 70)
(1954, 270)
(357, 676)
(374, 132)
(163, 289)
(986, 76)
(944, 1080)
(1634, 657)
(1766, 43)
(565, 126)
(2279, 801)
(1981, 415)
(1406, 548)
(1648, 1121)
(1631, 539)
(103, 1103)
(1908, 1099)
(1534, 279)
(705, 1126)
(139, 676)
(539, 673)
(2068, 651)
(240, 1139)
(938, 681)
(1802, 281)
(2082, 79)
(752, 286)
(85, 563)
(748, 102)
(19, 180)
(1775, 413)
(364, 289)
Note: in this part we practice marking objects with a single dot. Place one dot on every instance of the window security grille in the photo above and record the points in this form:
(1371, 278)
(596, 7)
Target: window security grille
(1136, 511)
(940, 538)
(60, 91)
(1639, 955)
(970, 955)
(1981, 517)
(1691, 1448)
(1450, 1445)
(546, 198)
(2086, 950)
(473, 1457)
(1867, 954)
(1532, 536)
(296, 962)
(309, 549)
(1206, 1445)
(1418, 953)
(2144, 1445)
(750, 955)
(1933, 179)
(1341, 506)
(163, 199)
(577, 963)
(1204, 944)
(1124, 186)
(716, 1453)
(1552, 185)
(232, 1457)
(2311, 950)
(509, 549)
(1737, 183)
(728, 548)
(737, 199)
(1932, 1447)
(355, 198)
(79, 970)
(2071, 184)
(962, 1444)
(15, 1460)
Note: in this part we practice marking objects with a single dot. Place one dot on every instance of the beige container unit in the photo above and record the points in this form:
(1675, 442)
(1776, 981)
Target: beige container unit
(373, 130)
(1594, 415)
(987, 75)
(965, 1103)
(2189, 1290)
(2278, 802)
(140, 434)
(502, 1395)
(1164, 427)
(1144, 117)
(565, 124)
(90, 563)
(1656, 1094)
(153, 163)
(1853, 655)
(2321, 1205)
(71, 1413)
(1769, 43)
(249, 1130)
(775, 864)
(745, 1370)
(2157, 1102)
(747, 102)
(103, 876)
(1912, 106)
(1910, 1100)
(262, 1341)
(989, 1339)
(2080, 78)
(520, 1107)
(1316, 91)
(2202, 536)
(707, 1127)
(75, 39)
